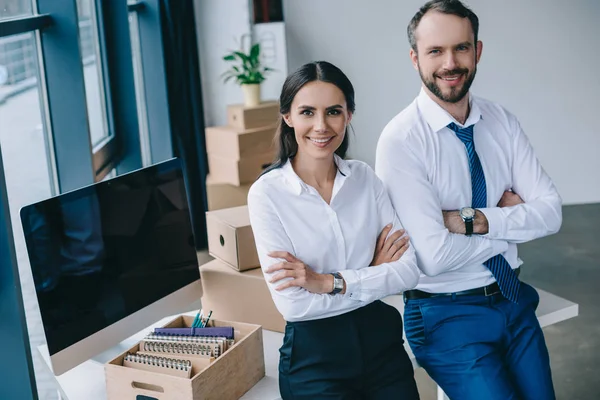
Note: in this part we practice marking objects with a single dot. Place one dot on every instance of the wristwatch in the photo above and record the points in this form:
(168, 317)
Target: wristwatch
(338, 283)
(468, 215)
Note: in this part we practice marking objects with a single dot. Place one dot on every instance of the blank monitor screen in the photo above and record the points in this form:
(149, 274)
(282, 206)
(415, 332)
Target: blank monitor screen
(103, 252)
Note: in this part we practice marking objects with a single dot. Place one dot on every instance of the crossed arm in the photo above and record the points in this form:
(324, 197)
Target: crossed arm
(301, 293)
(530, 210)
(455, 224)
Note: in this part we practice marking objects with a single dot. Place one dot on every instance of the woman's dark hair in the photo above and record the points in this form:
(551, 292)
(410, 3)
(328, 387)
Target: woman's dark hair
(285, 139)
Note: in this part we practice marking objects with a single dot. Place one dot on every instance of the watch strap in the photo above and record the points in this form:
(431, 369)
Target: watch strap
(337, 288)
(469, 226)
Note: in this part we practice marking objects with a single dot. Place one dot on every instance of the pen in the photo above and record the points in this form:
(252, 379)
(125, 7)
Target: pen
(197, 321)
(207, 318)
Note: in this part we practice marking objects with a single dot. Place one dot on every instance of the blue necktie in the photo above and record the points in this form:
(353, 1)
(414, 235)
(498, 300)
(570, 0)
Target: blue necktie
(507, 278)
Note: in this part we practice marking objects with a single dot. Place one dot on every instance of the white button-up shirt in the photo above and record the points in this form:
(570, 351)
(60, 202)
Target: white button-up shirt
(425, 169)
(286, 214)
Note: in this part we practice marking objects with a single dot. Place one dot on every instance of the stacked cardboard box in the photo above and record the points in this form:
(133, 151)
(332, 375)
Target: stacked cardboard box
(239, 152)
(233, 284)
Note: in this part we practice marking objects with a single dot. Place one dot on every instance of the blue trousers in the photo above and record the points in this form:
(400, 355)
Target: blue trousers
(481, 348)
(354, 356)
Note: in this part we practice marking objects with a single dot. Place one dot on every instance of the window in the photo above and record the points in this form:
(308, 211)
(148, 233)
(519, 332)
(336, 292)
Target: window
(140, 95)
(77, 102)
(58, 127)
(15, 8)
(28, 167)
(91, 60)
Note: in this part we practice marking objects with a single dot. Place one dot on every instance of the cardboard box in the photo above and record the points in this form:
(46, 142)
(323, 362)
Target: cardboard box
(230, 237)
(242, 296)
(243, 117)
(228, 377)
(238, 172)
(224, 195)
(236, 143)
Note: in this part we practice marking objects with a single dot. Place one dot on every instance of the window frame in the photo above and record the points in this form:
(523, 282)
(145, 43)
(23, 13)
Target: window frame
(154, 79)
(73, 161)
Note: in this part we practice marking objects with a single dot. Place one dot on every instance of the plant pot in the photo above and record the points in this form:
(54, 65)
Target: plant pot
(251, 94)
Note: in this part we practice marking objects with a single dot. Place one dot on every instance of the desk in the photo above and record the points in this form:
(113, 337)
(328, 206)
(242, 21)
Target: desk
(87, 380)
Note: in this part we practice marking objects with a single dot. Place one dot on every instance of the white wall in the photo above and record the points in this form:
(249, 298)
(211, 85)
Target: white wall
(539, 60)
(220, 25)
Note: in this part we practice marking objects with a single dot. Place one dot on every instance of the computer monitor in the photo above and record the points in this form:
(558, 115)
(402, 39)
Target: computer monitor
(110, 259)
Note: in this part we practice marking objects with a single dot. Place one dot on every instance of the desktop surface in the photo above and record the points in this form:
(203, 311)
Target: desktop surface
(88, 380)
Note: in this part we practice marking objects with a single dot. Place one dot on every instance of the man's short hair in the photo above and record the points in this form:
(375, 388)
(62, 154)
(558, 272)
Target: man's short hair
(452, 7)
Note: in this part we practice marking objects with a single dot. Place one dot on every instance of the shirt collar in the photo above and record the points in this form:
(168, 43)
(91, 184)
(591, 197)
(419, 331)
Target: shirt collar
(297, 185)
(438, 118)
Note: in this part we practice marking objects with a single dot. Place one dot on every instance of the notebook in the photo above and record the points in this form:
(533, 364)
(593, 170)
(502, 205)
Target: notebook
(164, 365)
(179, 355)
(225, 331)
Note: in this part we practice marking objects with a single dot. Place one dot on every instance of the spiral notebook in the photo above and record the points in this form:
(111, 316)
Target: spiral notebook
(176, 354)
(164, 365)
(204, 350)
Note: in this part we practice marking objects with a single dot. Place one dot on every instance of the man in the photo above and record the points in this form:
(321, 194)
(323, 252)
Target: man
(468, 187)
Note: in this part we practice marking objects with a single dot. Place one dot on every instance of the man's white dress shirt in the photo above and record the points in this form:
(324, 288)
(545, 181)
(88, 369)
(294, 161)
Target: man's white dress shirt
(425, 168)
(286, 214)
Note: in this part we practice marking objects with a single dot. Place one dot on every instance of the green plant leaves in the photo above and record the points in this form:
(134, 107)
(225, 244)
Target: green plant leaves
(248, 69)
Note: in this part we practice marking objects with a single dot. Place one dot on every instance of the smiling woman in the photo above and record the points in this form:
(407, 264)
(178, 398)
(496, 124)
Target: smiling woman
(319, 116)
(331, 247)
(308, 83)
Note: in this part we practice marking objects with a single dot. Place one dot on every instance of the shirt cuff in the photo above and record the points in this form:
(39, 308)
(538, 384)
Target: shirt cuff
(496, 225)
(352, 284)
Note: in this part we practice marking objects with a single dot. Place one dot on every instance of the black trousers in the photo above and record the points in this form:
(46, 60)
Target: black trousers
(357, 355)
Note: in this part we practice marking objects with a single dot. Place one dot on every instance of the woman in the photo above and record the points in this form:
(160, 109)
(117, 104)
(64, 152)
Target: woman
(316, 219)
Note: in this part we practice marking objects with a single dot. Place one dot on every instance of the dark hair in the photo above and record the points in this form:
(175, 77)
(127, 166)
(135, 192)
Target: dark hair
(285, 138)
(452, 7)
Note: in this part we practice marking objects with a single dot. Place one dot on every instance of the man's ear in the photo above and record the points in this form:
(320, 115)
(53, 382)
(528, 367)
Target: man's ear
(414, 58)
(479, 49)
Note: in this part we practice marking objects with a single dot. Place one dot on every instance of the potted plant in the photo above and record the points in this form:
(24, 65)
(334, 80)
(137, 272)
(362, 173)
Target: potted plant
(247, 72)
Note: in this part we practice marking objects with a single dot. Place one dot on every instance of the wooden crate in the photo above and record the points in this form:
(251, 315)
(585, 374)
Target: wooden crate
(227, 378)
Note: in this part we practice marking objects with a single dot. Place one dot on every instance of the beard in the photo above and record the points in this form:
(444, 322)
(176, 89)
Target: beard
(456, 93)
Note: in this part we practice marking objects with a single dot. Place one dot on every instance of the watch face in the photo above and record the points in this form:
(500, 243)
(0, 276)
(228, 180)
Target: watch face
(467, 212)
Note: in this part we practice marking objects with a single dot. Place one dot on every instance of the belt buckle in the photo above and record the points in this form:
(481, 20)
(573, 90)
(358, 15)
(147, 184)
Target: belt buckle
(485, 291)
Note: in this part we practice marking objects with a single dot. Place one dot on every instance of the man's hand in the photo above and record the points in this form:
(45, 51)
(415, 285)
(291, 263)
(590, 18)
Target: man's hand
(455, 224)
(509, 199)
(303, 276)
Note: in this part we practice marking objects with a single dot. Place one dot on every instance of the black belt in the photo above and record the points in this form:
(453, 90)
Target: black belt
(488, 290)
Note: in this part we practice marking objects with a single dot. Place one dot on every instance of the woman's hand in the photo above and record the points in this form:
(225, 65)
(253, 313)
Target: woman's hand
(303, 276)
(390, 249)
